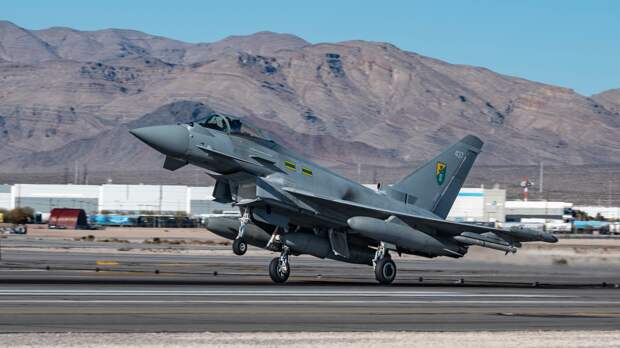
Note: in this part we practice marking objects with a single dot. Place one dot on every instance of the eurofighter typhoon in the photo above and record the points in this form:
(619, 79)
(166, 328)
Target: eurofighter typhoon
(293, 206)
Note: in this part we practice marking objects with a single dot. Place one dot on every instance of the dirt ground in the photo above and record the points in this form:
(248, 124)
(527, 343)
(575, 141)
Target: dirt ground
(565, 252)
(128, 233)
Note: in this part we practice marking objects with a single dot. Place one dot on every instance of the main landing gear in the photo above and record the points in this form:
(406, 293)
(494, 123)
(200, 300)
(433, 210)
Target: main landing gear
(385, 268)
(279, 268)
(240, 246)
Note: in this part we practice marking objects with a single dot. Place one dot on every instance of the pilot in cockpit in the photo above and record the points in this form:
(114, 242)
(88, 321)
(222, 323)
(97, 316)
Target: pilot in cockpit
(233, 125)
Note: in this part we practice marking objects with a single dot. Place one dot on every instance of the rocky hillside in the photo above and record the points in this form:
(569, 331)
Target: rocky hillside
(69, 96)
(609, 99)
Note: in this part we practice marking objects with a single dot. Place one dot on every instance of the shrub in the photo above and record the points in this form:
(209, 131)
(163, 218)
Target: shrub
(20, 215)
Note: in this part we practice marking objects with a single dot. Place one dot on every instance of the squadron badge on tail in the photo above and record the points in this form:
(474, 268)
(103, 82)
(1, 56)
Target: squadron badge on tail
(440, 172)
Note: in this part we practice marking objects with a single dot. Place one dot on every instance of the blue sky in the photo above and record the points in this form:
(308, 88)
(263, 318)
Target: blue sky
(574, 44)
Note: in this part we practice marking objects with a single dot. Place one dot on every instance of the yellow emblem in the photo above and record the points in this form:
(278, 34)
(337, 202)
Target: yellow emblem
(440, 172)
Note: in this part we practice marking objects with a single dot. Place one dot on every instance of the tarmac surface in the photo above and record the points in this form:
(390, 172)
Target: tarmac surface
(170, 290)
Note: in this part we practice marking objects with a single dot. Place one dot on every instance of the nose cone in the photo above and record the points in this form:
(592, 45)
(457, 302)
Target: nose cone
(172, 140)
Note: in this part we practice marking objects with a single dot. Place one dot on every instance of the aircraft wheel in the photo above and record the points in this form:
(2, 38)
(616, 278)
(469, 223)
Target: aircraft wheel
(385, 271)
(279, 271)
(239, 246)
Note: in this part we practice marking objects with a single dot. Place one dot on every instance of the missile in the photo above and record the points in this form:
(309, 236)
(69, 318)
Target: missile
(396, 232)
(484, 242)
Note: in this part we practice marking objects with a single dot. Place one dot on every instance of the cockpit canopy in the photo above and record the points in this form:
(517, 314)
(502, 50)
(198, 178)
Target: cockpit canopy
(232, 125)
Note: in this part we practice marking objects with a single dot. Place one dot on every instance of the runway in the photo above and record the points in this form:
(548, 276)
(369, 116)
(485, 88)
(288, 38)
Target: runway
(244, 307)
(170, 291)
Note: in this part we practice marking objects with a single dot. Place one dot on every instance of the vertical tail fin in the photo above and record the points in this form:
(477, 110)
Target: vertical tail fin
(435, 185)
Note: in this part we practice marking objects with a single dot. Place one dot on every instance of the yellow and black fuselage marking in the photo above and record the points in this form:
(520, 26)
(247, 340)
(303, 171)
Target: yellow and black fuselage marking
(290, 165)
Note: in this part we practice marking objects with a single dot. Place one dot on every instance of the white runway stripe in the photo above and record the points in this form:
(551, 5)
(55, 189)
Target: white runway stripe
(264, 293)
(310, 302)
(231, 291)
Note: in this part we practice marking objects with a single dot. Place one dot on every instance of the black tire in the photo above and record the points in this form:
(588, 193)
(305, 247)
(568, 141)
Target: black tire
(276, 273)
(385, 271)
(239, 246)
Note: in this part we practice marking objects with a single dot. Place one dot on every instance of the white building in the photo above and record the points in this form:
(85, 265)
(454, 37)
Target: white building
(144, 198)
(5, 197)
(113, 198)
(201, 201)
(43, 198)
(479, 204)
(538, 211)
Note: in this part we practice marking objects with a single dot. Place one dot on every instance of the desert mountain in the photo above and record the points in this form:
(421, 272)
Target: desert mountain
(69, 96)
(609, 99)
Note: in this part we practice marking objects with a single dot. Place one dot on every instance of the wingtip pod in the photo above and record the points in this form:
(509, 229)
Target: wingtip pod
(550, 238)
(473, 141)
(546, 237)
(530, 235)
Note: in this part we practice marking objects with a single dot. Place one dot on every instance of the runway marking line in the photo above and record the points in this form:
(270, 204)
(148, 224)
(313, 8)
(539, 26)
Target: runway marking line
(265, 293)
(124, 273)
(106, 263)
(315, 302)
(578, 314)
(226, 291)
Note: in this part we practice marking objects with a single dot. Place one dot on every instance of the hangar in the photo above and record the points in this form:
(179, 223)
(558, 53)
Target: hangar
(111, 198)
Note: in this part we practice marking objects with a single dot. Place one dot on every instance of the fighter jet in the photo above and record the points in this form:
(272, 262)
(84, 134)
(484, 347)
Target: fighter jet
(293, 206)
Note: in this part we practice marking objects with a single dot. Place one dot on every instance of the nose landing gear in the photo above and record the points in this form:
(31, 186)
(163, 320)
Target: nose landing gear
(279, 268)
(239, 246)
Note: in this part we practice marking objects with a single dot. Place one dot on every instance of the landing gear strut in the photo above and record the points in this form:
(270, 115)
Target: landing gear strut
(385, 268)
(239, 246)
(279, 268)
